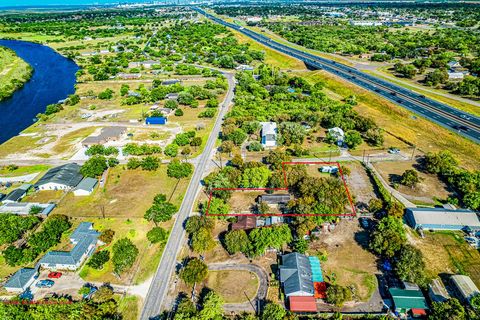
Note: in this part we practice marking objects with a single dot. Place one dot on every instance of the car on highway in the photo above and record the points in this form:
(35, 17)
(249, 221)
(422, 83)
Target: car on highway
(464, 116)
(46, 283)
(54, 275)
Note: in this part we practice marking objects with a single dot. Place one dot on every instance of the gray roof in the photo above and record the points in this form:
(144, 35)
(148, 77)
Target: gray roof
(21, 278)
(83, 237)
(106, 134)
(443, 216)
(87, 184)
(465, 286)
(275, 198)
(15, 195)
(67, 174)
(296, 274)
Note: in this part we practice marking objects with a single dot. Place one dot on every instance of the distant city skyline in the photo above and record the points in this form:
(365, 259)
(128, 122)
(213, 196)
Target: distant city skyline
(21, 3)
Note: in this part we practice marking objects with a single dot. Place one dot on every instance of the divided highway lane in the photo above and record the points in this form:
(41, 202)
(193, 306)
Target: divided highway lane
(158, 290)
(453, 119)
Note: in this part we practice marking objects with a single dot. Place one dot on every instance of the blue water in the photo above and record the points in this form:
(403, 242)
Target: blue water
(53, 79)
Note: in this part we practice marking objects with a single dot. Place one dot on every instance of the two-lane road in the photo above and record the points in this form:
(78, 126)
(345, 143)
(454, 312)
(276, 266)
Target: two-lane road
(160, 284)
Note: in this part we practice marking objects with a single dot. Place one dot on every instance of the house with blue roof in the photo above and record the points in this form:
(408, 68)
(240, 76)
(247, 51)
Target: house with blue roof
(84, 238)
(21, 280)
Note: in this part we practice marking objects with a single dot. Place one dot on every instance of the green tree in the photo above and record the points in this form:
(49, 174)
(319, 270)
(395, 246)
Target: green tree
(273, 311)
(442, 162)
(107, 236)
(388, 237)
(300, 245)
(171, 150)
(98, 259)
(196, 223)
(218, 206)
(353, 139)
(255, 177)
(195, 271)
(237, 241)
(410, 178)
(338, 295)
(150, 163)
(179, 170)
(212, 307)
(124, 255)
(157, 235)
(202, 241)
(94, 167)
(410, 266)
(450, 309)
(160, 211)
(291, 133)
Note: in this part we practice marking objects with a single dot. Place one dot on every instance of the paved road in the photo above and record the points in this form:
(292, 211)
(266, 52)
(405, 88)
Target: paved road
(453, 119)
(158, 289)
(262, 285)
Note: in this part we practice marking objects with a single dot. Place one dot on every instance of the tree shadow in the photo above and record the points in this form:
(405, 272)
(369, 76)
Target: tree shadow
(362, 238)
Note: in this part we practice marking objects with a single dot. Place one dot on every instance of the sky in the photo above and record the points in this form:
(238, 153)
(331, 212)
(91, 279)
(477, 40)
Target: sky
(8, 3)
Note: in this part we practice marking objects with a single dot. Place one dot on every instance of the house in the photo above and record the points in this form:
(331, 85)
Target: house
(15, 196)
(437, 291)
(84, 239)
(338, 134)
(85, 187)
(329, 169)
(170, 82)
(464, 287)
(24, 208)
(444, 218)
(129, 76)
(269, 134)
(171, 96)
(146, 64)
(296, 275)
(21, 280)
(409, 301)
(245, 223)
(272, 220)
(454, 64)
(155, 120)
(456, 75)
(64, 177)
(244, 67)
(278, 198)
(107, 134)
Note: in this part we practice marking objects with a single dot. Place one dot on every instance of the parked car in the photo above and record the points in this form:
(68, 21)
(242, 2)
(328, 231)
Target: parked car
(54, 275)
(46, 283)
(393, 150)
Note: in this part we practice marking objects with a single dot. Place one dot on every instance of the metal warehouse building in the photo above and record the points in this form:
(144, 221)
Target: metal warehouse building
(442, 218)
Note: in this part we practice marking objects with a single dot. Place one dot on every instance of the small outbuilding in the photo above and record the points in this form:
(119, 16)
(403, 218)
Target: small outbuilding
(85, 187)
(464, 287)
(275, 198)
(338, 134)
(437, 291)
(409, 301)
(15, 196)
(245, 223)
(156, 121)
(302, 304)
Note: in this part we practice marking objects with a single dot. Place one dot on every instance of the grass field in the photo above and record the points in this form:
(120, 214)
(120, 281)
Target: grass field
(14, 72)
(127, 194)
(401, 123)
(20, 171)
(446, 252)
(129, 307)
(233, 286)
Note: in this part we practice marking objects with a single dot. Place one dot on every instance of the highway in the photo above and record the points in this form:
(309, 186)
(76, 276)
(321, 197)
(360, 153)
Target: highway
(158, 290)
(453, 119)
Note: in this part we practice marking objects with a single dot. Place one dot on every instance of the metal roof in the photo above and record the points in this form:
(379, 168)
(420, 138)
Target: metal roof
(465, 286)
(67, 174)
(269, 128)
(296, 274)
(106, 134)
(303, 304)
(443, 216)
(87, 184)
(275, 198)
(15, 195)
(20, 278)
(408, 299)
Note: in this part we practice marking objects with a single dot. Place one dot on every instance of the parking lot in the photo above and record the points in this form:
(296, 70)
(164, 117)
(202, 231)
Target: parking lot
(68, 284)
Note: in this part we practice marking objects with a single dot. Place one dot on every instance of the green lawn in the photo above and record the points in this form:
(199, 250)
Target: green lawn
(14, 72)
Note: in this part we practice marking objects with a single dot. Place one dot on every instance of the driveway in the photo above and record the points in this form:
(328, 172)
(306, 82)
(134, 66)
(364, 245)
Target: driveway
(262, 285)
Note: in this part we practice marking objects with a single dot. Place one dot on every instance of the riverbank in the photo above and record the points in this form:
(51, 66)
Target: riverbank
(14, 73)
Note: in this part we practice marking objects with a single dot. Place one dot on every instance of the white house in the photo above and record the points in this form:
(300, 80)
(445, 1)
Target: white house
(456, 75)
(85, 187)
(338, 134)
(21, 280)
(269, 134)
(65, 177)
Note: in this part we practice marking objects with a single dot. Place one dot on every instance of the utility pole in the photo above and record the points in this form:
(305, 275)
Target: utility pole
(413, 152)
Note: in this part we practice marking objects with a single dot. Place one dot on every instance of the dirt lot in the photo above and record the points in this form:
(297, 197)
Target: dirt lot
(347, 259)
(429, 188)
(359, 184)
(447, 252)
(233, 286)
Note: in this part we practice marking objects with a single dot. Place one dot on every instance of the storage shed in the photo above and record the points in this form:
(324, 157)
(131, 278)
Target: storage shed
(442, 218)
(302, 304)
(156, 120)
(464, 287)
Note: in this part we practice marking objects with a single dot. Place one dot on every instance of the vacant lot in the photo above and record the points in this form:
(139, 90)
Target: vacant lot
(233, 286)
(44, 196)
(447, 252)
(127, 194)
(426, 191)
(13, 72)
(348, 262)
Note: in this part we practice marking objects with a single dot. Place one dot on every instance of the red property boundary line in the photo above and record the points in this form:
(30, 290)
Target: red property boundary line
(337, 164)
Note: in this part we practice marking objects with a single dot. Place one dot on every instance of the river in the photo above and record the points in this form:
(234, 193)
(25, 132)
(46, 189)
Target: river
(53, 79)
